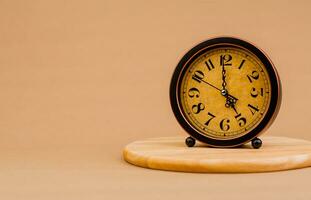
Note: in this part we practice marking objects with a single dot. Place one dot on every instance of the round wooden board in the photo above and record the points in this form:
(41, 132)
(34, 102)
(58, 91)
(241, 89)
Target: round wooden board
(171, 153)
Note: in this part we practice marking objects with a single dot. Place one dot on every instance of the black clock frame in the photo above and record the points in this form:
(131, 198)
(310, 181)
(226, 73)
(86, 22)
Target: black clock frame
(200, 49)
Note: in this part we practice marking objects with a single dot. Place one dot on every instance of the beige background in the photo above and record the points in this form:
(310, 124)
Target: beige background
(81, 79)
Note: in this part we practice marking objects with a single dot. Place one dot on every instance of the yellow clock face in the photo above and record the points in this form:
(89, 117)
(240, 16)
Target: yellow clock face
(225, 93)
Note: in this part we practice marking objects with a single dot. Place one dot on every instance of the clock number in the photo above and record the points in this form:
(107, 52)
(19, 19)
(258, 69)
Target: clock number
(261, 92)
(241, 120)
(198, 108)
(209, 65)
(225, 60)
(242, 63)
(194, 92)
(224, 124)
(212, 117)
(254, 92)
(253, 76)
(253, 109)
(198, 76)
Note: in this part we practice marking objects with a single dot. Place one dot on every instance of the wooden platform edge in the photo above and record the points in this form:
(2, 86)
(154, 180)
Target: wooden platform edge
(156, 164)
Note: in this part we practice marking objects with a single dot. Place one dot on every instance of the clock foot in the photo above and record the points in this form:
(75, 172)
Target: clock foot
(256, 143)
(190, 142)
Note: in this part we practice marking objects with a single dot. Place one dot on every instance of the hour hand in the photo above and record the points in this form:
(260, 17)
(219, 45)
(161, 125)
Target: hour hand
(230, 101)
(232, 97)
(234, 108)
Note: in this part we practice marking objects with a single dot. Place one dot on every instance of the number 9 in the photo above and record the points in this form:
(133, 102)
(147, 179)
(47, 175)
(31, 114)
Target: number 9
(194, 92)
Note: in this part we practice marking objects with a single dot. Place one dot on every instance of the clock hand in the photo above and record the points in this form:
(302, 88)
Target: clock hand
(230, 100)
(211, 85)
(227, 95)
(234, 108)
(224, 91)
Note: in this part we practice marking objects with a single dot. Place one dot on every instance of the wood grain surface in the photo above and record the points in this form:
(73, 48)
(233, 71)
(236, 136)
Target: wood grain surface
(170, 153)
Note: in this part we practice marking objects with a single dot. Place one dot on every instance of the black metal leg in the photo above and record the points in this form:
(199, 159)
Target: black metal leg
(190, 142)
(256, 143)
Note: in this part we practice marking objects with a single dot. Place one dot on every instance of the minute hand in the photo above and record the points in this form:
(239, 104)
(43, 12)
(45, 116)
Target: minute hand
(217, 89)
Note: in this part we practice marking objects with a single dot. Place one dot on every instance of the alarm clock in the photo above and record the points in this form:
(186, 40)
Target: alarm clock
(225, 92)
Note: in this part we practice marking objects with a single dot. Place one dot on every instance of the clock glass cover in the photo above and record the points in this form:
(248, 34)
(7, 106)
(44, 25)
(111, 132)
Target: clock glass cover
(225, 92)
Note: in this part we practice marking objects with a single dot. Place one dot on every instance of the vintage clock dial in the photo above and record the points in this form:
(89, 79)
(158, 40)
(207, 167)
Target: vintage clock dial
(225, 92)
